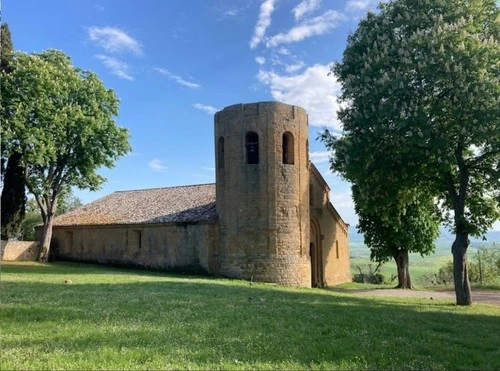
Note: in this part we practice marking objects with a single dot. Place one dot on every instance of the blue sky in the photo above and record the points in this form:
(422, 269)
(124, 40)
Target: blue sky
(174, 63)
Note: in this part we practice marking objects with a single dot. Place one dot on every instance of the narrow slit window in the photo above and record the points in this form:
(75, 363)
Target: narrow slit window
(288, 148)
(252, 147)
(138, 239)
(220, 153)
(337, 248)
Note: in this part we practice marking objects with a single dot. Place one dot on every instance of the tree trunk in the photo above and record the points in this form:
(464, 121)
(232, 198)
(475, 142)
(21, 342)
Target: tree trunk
(46, 238)
(460, 272)
(13, 200)
(402, 263)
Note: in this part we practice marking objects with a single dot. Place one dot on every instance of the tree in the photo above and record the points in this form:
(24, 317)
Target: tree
(33, 217)
(392, 230)
(61, 120)
(13, 197)
(421, 100)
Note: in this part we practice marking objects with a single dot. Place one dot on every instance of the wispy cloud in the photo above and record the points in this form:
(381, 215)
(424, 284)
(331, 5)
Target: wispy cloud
(311, 27)
(319, 156)
(260, 60)
(114, 40)
(116, 66)
(157, 166)
(283, 51)
(294, 67)
(312, 89)
(361, 5)
(207, 168)
(264, 21)
(305, 7)
(177, 79)
(205, 108)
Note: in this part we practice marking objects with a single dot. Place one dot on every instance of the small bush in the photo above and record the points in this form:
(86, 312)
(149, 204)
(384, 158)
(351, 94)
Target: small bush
(372, 277)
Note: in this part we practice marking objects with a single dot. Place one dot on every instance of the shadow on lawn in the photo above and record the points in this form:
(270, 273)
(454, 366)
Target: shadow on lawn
(209, 323)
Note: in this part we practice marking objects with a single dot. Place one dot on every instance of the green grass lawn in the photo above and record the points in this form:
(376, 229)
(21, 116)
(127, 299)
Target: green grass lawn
(75, 316)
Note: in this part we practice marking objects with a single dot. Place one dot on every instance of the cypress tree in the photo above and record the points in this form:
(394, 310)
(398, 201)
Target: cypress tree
(13, 199)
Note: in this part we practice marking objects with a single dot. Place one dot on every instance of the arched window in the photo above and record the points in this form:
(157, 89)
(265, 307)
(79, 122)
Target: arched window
(288, 148)
(252, 147)
(220, 153)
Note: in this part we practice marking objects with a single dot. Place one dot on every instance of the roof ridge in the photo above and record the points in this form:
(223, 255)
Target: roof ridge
(151, 189)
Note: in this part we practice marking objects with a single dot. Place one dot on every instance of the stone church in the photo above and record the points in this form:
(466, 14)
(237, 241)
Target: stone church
(267, 218)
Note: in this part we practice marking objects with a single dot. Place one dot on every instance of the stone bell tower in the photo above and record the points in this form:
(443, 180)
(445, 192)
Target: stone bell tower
(262, 181)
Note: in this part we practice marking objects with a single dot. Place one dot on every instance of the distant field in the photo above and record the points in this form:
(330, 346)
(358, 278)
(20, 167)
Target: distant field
(419, 266)
(64, 316)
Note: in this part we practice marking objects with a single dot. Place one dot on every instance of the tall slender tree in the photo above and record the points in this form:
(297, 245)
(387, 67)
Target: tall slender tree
(13, 199)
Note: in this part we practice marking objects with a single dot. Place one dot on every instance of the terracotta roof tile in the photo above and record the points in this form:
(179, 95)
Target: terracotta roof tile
(182, 204)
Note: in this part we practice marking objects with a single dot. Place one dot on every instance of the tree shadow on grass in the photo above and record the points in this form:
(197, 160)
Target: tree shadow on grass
(208, 324)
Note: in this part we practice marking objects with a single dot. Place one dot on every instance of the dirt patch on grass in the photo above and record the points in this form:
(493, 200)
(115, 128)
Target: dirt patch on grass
(478, 296)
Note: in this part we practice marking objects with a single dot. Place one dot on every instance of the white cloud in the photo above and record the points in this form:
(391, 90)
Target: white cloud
(179, 80)
(266, 10)
(157, 166)
(305, 7)
(312, 89)
(319, 157)
(114, 40)
(116, 66)
(284, 51)
(361, 5)
(294, 67)
(260, 60)
(205, 108)
(207, 168)
(311, 27)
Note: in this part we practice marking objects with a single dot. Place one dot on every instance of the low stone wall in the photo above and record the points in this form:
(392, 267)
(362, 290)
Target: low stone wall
(19, 250)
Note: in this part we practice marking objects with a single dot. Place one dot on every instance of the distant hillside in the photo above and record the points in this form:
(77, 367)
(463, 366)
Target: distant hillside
(445, 236)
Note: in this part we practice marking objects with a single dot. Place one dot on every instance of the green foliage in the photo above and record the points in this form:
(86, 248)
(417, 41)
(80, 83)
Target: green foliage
(32, 218)
(483, 265)
(13, 197)
(75, 316)
(421, 94)
(6, 47)
(61, 119)
(67, 202)
(421, 111)
(396, 224)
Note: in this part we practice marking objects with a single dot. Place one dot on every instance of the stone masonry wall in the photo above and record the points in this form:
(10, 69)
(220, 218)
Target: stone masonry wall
(19, 250)
(263, 208)
(334, 233)
(187, 247)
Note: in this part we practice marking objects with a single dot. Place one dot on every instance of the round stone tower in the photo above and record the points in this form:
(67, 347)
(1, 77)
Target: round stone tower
(262, 182)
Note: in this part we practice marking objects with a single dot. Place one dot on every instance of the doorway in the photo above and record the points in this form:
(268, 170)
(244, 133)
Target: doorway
(316, 254)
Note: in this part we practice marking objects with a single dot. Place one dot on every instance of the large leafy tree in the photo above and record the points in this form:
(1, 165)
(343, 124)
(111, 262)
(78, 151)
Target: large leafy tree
(393, 229)
(421, 92)
(13, 197)
(61, 120)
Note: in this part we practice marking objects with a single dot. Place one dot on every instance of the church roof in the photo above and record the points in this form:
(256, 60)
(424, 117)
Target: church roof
(184, 204)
